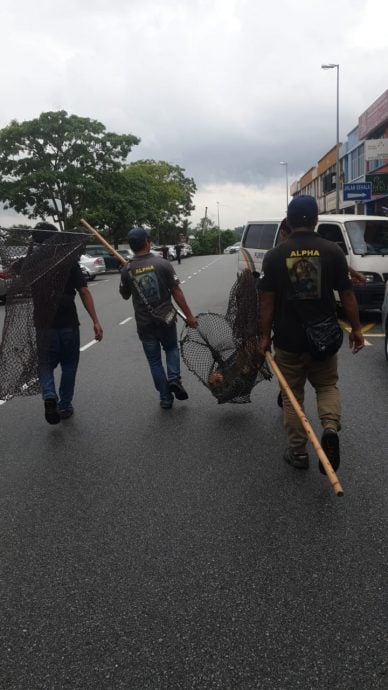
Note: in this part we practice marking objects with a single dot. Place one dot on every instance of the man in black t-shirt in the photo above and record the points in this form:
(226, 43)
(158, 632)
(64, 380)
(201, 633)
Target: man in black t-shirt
(297, 288)
(58, 342)
(152, 281)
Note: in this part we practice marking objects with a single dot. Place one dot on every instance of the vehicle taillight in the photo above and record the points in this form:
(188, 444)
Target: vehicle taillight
(99, 262)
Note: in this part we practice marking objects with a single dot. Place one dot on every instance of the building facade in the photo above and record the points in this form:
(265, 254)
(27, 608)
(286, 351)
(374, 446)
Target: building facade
(363, 159)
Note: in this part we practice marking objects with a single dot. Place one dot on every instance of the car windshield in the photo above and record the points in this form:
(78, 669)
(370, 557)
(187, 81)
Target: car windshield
(368, 236)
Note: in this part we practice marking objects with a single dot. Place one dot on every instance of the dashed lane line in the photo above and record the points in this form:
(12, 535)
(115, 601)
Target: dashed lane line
(125, 320)
(85, 347)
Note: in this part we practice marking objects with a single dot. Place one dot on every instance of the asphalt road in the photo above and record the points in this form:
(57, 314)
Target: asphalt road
(147, 549)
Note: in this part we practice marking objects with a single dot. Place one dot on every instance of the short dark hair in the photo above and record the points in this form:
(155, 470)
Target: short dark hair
(44, 231)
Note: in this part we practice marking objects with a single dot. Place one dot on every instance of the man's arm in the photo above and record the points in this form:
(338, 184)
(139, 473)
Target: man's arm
(267, 307)
(181, 302)
(350, 306)
(87, 301)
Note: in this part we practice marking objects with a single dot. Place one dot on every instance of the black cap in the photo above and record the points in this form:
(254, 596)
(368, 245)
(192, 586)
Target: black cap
(302, 211)
(137, 237)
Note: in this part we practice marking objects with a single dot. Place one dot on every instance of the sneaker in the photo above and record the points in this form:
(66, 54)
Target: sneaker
(51, 411)
(65, 414)
(330, 444)
(166, 404)
(178, 390)
(295, 459)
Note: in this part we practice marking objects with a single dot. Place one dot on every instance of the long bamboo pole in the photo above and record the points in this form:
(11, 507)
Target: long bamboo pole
(103, 241)
(331, 475)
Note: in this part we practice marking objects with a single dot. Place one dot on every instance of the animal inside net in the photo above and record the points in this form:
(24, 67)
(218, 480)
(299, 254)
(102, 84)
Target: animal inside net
(223, 352)
(35, 266)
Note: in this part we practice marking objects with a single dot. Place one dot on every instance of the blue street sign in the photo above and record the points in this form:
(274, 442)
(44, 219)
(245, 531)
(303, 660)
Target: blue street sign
(358, 191)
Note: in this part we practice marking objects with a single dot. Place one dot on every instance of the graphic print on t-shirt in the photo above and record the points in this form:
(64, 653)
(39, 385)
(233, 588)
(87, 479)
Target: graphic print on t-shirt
(304, 272)
(149, 284)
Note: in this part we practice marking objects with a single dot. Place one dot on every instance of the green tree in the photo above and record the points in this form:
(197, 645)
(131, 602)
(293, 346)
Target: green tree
(147, 192)
(55, 165)
(212, 241)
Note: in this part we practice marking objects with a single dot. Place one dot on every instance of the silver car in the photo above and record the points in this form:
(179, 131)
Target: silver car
(384, 319)
(91, 266)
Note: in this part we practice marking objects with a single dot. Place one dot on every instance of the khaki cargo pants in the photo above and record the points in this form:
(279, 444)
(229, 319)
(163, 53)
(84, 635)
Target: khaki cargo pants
(323, 376)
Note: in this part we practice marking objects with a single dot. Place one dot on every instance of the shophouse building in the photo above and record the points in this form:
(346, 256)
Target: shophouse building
(363, 159)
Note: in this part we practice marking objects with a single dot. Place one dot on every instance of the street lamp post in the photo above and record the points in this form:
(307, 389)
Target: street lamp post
(332, 65)
(286, 167)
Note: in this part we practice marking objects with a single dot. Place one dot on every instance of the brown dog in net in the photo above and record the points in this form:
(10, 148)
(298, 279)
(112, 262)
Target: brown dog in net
(223, 352)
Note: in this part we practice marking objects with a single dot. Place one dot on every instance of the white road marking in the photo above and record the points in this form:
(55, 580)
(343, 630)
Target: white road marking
(85, 347)
(125, 320)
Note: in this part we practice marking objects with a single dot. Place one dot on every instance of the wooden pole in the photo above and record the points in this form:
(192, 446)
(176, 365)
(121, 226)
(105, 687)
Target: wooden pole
(331, 475)
(103, 241)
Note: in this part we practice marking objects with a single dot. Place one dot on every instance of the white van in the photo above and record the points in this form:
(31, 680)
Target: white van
(363, 239)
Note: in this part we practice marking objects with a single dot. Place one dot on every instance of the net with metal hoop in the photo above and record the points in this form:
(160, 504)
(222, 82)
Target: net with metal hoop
(223, 352)
(35, 265)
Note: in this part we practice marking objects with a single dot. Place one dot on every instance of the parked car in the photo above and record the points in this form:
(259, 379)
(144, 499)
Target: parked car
(187, 249)
(171, 251)
(91, 266)
(384, 319)
(3, 284)
(112, 263)
(127, 254)
(233, 248)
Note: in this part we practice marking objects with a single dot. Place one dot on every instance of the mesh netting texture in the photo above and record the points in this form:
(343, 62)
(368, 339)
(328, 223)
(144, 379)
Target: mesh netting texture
(35, 266)
(223, 352)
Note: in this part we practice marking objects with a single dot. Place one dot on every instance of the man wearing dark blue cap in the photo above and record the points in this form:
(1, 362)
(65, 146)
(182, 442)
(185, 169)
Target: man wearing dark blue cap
(297, 291)
(152, 282)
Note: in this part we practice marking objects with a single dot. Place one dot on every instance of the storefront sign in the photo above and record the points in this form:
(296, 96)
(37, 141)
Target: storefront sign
(379, 183)
(376, 149)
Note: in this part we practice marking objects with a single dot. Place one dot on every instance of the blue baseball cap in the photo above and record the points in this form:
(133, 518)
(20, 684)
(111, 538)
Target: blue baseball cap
(302, 211)
(137, 237)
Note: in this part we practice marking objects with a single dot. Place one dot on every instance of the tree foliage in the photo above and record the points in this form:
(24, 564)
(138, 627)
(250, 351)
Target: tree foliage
(213, 241)
(147, 192)
(57, 164)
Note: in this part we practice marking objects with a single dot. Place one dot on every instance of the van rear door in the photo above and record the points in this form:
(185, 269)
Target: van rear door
(258, 237)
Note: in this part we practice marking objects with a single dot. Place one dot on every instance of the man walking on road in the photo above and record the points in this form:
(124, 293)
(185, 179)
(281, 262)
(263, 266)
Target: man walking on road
(152, 282)
(58, 342)
(296, 291)
(178, 251)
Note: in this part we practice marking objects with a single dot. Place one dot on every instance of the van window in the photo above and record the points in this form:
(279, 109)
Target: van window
(368, 236)
(260, 235)
(332, 232)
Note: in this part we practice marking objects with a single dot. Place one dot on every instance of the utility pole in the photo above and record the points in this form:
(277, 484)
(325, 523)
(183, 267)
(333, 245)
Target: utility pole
(204, 220)
(219, 229)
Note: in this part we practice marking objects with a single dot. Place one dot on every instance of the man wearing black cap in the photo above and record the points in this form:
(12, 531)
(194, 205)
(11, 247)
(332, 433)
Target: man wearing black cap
(59, 340)
(152, 282)
(297, 286)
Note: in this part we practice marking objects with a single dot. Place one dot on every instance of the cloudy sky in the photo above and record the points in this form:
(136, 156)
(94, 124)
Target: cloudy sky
(225, 88)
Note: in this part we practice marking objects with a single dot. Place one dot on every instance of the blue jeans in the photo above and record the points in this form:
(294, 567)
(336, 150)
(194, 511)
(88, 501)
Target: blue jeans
(165, 337)
(58, 346)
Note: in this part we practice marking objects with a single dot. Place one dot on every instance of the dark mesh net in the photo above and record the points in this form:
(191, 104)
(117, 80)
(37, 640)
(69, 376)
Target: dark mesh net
(223, 352)
(35, 266)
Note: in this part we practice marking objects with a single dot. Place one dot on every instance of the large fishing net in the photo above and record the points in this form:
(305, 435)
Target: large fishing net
(35, 265)
(223, 352)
